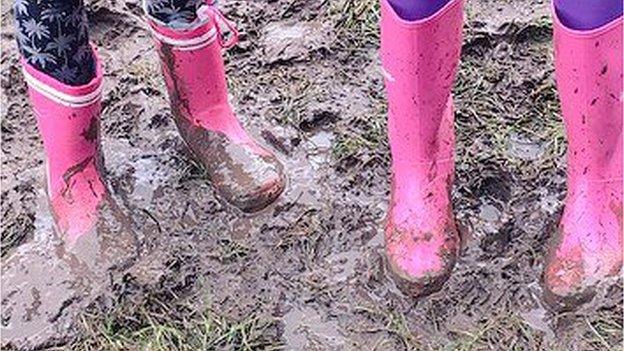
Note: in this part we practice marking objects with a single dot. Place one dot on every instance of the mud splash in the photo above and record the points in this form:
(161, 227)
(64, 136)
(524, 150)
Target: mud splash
(49, 279)
(305, 329)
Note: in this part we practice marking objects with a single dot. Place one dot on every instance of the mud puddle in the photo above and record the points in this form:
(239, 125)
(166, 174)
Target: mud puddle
(48, 280)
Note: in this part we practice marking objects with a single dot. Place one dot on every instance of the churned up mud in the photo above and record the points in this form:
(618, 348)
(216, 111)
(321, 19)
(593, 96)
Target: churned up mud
(308, 272)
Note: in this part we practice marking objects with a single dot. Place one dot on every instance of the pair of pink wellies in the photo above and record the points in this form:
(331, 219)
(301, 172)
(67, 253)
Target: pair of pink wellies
(420, 60)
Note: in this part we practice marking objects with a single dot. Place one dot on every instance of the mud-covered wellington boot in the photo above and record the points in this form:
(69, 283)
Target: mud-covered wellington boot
(420, 59)
(588, 244)
(244, 173)
(68, 120)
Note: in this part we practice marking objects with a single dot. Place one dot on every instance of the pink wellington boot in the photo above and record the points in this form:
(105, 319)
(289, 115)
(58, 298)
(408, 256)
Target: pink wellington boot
(68, 119)
(245, 174)
(420, 59)
(588, 245)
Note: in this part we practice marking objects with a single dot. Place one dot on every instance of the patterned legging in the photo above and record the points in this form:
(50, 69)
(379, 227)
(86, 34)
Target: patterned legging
(53, 35)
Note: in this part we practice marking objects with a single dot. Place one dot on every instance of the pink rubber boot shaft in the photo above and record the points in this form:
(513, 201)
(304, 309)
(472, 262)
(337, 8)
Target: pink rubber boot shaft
(68, 120)
(199, 87)
(589, 79)
(420, 60)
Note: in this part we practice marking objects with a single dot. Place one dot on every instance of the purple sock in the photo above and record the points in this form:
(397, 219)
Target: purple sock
(412, 10)
(587, 14)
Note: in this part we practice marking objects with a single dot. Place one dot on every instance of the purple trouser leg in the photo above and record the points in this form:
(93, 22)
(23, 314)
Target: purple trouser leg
(412, 10)
(587, 14)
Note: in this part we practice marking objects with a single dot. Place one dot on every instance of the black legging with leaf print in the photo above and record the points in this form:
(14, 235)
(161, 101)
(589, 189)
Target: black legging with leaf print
(53, 35)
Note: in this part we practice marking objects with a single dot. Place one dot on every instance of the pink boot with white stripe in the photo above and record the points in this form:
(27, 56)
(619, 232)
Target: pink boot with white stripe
(67, 262)
(68, 119)
(244, 173)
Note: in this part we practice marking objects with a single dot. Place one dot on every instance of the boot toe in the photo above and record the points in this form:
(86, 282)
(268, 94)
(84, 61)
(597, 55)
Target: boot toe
(564, 286)
(264, 190)
(254, 186)
(243, 173)
(420, 267)
(567, 284)
(580, 257)
(422, 285)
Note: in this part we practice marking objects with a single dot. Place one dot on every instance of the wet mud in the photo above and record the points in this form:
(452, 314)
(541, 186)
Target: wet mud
(50, 279)
(307, 272)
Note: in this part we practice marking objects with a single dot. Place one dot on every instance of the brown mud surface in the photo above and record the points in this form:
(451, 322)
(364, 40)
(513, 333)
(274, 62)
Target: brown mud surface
(307, 273)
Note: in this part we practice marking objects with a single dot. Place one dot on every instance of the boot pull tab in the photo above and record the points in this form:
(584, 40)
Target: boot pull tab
(210, 10)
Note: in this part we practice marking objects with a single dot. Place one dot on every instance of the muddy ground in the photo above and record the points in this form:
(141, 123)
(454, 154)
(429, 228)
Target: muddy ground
(308, 272)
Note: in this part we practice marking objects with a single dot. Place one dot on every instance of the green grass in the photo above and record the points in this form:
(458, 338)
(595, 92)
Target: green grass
(357, 24)
(185, 328)
(174, 329)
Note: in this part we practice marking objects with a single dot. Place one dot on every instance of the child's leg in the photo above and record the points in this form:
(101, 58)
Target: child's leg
(587, 14)
(412, 10)
(53, 37)
(174, 13)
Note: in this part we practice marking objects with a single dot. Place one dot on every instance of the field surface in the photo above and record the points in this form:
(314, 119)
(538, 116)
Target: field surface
(308, 273)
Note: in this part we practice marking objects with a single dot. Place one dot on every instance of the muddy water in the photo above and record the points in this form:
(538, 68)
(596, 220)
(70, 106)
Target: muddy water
(48, 280)
(312, 261)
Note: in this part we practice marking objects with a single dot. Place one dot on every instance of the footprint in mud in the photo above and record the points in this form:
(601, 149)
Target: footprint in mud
(47, 282)
(306, 329)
